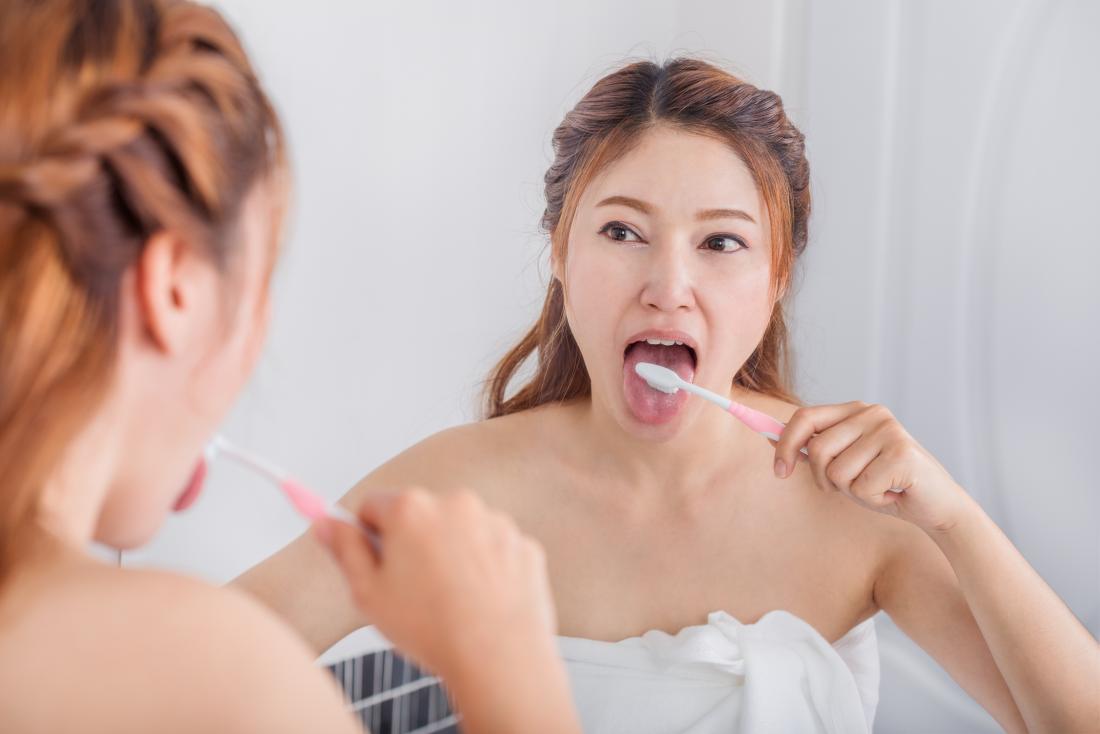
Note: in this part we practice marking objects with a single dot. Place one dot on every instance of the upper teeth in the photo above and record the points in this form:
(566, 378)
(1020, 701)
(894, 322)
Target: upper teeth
(665, 342)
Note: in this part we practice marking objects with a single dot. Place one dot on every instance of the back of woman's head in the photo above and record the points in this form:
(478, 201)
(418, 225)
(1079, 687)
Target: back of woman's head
(696, 97)
(119, 119)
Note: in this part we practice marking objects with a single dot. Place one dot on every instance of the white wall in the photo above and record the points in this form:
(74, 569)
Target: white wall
(948, 274)
(952, 271)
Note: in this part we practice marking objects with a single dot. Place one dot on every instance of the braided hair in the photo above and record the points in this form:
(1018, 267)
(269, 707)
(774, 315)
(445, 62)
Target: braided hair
(118, 119)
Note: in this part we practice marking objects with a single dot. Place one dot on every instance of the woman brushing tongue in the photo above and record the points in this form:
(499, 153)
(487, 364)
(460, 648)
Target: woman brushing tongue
(704, 578)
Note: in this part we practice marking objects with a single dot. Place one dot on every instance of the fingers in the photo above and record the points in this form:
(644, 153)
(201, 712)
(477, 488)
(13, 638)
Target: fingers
(800, 456)
(801, 428)
(828, 445)
(851, 462)
(855, 451)
(874, 484)
(384, 511)
(848, 438)
(457, 582)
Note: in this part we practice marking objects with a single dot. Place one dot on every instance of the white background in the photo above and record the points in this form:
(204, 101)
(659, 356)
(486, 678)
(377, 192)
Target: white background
(951, 272)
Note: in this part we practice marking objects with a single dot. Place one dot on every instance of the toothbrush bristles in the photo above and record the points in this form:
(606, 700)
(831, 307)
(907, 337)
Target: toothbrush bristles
(658, 378)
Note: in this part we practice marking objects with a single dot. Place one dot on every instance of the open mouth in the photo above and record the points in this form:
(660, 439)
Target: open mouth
(647, 404)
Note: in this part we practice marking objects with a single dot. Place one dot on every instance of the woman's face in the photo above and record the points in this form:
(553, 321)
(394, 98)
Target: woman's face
(667, 261)
(177, 397)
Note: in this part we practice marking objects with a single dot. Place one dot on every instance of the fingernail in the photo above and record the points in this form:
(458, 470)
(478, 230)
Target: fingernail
(780, 468)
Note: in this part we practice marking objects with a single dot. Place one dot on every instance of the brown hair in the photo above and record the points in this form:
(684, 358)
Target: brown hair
(691, 95)
(118, 119)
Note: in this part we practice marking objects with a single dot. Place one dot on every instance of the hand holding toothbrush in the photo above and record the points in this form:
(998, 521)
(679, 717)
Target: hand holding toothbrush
(863, 452)
(460, 590)
(857, 449)
(455, 586)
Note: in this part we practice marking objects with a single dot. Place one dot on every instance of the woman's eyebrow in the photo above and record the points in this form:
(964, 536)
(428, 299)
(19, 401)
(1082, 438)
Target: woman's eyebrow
(629, 201)
(703, 215)
(724, 214)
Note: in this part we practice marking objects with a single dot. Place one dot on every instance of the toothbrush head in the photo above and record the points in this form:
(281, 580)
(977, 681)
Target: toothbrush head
(210, 450)
(658, 377)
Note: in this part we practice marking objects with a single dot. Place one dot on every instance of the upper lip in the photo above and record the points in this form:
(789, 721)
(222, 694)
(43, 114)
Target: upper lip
(666, 335)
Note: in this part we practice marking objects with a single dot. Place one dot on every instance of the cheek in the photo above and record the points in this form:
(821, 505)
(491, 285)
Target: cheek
(741, 307)
(752, 302)
(596, 293)
(236, 342)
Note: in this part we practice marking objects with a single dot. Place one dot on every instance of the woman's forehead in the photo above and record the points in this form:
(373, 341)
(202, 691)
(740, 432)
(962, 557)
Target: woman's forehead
(678, 173)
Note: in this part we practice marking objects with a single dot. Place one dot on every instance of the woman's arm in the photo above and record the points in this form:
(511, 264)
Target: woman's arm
(957, 585)
(1048, 659)
(919, 590)
(967, 596)
(305, 588)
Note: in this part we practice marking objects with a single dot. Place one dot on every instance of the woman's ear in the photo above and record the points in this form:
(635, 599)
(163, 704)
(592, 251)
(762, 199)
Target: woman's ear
(174, 287)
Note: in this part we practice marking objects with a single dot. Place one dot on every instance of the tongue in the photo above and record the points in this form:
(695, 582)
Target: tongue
(649, 405)
(193, 489)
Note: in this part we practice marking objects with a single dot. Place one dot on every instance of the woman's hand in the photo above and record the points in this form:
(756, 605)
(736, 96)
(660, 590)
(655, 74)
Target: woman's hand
(460, 590)
(455, 581)
(862, 451)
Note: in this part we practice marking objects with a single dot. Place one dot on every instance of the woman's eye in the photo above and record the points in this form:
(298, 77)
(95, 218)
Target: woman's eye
(620, 232)
(724, 243)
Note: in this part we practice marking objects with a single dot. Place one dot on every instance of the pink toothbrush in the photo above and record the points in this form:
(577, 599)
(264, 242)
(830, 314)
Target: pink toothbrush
(306, 502)
(665, 380)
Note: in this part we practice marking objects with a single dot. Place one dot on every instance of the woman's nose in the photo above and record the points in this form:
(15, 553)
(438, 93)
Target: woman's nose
(669, 283)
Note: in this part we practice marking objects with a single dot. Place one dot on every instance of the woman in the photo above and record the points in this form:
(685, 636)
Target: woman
(141, 180)
(703, 578)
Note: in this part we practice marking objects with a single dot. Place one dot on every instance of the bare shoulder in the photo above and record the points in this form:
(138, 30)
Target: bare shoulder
(483, 456)
(156, 651)
(878, 538)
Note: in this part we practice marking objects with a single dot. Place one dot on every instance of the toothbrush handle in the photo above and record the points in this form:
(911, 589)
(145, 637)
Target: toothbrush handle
(762, 423)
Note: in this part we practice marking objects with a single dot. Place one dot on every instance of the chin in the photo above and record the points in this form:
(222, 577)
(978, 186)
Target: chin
(127, 538)
(129, 525)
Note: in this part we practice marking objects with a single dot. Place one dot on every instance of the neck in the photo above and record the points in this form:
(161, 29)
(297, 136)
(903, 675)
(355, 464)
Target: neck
(707, 444)
(74, 494)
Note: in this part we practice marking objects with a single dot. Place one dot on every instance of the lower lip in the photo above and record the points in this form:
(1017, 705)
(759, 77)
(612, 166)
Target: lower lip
(193, 489)
(646, 405)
